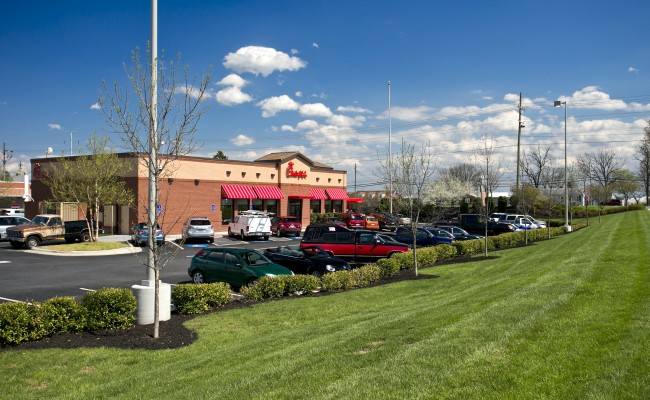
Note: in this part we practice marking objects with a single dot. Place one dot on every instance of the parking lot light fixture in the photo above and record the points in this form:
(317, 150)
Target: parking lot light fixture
(559, 103)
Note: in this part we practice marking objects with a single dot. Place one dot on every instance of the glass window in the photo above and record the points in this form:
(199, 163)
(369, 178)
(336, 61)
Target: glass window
(230, 259)
(271, 206)
(314, 205)
(366, 238)
(328, 206)
(215, 256)
(295, 207)
(226, 209)
(257, 204)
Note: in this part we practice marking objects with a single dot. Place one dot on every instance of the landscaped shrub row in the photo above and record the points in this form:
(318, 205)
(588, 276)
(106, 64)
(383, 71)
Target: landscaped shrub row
(103, 309)
(194, 299)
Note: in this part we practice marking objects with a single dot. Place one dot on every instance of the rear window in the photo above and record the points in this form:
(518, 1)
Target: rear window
(356, 217)
(200, 222)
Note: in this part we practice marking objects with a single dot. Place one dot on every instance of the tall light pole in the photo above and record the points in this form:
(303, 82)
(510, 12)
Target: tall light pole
(390, 159)
(559, 103)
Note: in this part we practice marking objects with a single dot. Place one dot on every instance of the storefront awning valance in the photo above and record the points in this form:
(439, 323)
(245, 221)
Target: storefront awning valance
(337, 194)
(355, 200)
(268, 192)
(237, 192)
(317, 194)
(300, 196)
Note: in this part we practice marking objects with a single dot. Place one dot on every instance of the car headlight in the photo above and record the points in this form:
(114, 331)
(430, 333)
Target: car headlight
(330, 268)
(270, 275)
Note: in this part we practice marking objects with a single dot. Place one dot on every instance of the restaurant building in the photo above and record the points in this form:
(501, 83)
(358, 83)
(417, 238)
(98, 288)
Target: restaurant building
(285, 183)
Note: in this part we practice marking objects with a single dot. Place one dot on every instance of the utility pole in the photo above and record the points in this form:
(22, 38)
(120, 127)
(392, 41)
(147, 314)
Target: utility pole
(390, 158)
(6, 156)
(519, 126)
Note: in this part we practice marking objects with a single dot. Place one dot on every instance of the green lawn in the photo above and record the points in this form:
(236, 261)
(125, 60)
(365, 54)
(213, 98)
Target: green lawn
(567, 318)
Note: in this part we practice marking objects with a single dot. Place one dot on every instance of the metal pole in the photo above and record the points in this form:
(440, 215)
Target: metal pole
(566, 188)
(518, 147)
(390, 158)
(153, 120)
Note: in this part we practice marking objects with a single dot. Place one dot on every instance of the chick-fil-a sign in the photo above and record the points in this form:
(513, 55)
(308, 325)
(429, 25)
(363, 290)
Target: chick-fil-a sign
(295, 174)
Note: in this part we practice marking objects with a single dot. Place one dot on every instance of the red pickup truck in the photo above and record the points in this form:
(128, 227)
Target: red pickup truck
(355, 245)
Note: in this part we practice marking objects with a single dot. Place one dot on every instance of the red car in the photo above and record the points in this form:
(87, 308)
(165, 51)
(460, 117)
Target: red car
(354, 221)
(285, 226)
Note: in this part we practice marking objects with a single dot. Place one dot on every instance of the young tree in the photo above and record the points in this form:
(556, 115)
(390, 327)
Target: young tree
(156, 113)
(534, 163)
(600, 166)
(491, 173)
(94, 180)
(411, 171)
(642, 155)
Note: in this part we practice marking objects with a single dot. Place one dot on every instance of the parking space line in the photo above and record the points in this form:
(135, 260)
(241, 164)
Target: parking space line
(15, 301)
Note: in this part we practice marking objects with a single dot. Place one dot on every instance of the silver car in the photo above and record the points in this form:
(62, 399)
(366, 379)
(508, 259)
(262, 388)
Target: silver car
(7, 221)
(198, 228)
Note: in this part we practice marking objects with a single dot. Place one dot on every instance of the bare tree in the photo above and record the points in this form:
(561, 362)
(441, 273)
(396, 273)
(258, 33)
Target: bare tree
(534, 163)
(552, 179)
(642, 155)
(149, 122)
(600, 166)
(464, 172)
(626, 184)
(411, 171)
(491, 174)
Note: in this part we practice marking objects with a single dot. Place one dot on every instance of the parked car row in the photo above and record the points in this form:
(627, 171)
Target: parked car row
(520, 221)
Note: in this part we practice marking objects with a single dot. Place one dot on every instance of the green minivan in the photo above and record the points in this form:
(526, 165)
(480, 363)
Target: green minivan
(238, 267)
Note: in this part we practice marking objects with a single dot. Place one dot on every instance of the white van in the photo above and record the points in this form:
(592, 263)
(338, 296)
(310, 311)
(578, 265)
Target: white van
(250, 224)
(13, 212)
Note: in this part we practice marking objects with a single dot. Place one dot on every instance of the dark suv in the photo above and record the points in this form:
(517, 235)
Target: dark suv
(285, 226)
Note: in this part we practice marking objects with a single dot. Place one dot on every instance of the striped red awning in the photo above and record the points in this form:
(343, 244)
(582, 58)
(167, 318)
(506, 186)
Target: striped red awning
(268, 192)
(317, 194)
(355, 200)
(237, 192)
(337, 194)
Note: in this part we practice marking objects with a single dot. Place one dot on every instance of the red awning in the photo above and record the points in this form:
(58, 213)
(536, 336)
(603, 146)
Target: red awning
(355, 200)
(268, 192)
(337, 194)
(237, 192)
(317, 194)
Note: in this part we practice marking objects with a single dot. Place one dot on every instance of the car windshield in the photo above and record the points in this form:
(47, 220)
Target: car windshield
(40, 220)
(288, 219)
(314, 252)
(255, 259)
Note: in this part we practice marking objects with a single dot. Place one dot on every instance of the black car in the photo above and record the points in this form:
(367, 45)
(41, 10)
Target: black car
(459, 233)
(310, 260)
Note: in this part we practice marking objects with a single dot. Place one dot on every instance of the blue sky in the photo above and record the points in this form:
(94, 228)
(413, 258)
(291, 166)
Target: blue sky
(312, 76)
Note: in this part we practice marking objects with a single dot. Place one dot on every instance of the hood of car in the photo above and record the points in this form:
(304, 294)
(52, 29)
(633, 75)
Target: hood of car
(270, 269)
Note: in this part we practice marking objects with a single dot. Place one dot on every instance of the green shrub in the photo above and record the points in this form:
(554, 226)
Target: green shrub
(109, 308)
(264, 288)
(470, 247)
(20, 322)
(300, 284)
(216, 294)
(63, 314)
(194, 299)
(387, 267)
(366, 275)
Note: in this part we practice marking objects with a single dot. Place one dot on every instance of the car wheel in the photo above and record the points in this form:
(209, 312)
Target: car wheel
(230, 233)
(250, 282)
(85, 237)
(316, 273)
(32, 241)
(211, 240)
(241, 233)
(278, 233)
(265, 238)
(197, 277)
(16, 245)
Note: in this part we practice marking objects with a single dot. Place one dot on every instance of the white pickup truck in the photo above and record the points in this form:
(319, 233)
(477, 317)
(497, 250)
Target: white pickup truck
(250, 224)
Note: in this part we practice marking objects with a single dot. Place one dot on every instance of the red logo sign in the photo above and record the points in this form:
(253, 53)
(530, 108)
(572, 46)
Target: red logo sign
(295, 174)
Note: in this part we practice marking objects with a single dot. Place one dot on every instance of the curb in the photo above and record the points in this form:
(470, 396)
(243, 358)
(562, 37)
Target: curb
(124, 250)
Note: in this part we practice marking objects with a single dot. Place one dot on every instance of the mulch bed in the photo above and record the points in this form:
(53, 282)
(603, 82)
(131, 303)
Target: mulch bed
(172, 333)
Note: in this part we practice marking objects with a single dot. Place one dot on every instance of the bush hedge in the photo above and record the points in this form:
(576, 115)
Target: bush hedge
(194, 299)
(103, 309)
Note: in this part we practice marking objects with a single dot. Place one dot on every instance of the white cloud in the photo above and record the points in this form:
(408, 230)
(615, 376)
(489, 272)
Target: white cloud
(242, 140)
(346, 121)
(487, 98)
(592, 98)
(315, 45)
(352, 109)
(632, 69)
(298, 94)
(193, 92)
(232, 96)
(233, 80)
(294, 51)
(308, 124)
(54, 127)
(273, 105)
(95, 106)
(408, 113)
(315, 110)
(287, 128)
(262, 61)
